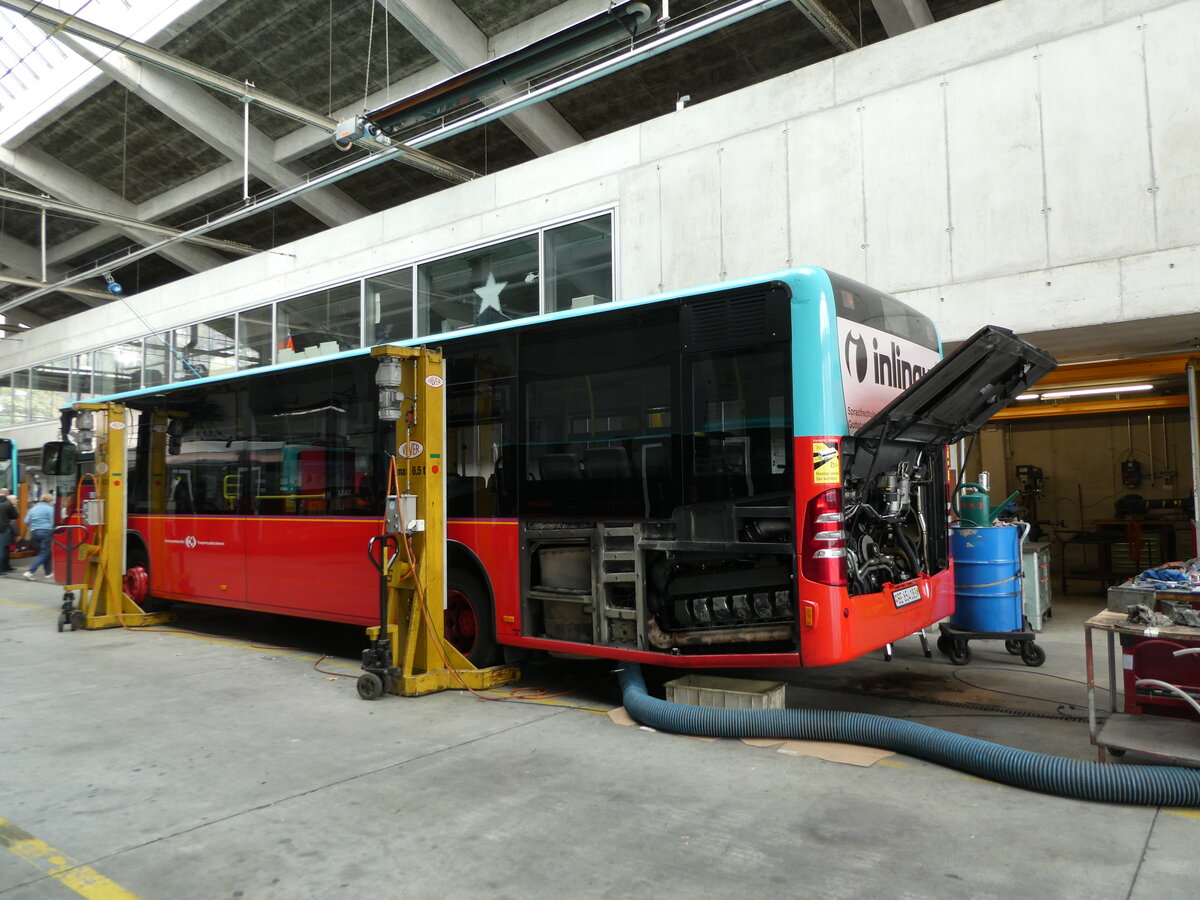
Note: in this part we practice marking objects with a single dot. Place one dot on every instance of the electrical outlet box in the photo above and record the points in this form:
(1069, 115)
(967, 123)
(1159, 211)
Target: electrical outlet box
(93, 512)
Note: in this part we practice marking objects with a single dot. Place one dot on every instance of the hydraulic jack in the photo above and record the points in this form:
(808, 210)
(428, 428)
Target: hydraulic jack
(103, 602)
(409, 653)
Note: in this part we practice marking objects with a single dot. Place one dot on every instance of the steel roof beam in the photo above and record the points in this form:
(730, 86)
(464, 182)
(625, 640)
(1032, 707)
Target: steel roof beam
(83, 212)
(36, 10)
(899, 16)
(22, 317)
(25, 259)
(58, 180)
(157, 207)
(190, 107)
(84, 294)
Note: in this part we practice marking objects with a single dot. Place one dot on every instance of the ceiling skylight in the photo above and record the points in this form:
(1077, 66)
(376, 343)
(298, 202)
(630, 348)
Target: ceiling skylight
(39, 75)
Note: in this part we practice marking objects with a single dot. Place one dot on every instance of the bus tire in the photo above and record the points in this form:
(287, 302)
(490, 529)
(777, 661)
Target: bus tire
(470, 624)
(137, 582)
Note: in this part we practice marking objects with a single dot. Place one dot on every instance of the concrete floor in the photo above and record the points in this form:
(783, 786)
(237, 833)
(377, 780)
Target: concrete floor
(161, 764)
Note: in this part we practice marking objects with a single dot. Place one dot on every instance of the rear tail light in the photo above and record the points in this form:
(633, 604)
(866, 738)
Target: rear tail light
(823, 553)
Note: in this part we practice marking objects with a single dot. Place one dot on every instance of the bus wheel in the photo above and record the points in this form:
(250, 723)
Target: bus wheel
(469, 626)
(137, 585)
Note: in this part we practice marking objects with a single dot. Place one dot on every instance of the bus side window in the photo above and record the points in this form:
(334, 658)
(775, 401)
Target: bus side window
(476, 424)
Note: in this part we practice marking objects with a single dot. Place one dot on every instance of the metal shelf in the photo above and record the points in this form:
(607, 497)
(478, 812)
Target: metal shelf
(1170, 740)
(1162, 737)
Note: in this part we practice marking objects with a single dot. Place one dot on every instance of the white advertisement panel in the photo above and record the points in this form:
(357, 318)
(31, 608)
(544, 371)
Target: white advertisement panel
(876, 368)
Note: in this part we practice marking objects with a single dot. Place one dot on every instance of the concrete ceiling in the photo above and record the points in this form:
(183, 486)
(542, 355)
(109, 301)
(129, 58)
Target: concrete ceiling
(1144, 337)
(146, 144)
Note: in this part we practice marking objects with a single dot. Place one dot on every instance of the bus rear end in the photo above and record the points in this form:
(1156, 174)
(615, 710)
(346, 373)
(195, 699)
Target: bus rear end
(873, 555)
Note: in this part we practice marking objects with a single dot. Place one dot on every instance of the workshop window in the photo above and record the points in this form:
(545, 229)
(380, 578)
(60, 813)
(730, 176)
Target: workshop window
(20, 395)
(81, 376)
(205, 349)
(50, 388)
(117, 369)
(481, 287)
(578, 270)
(390, 307)
(157, 367)
(319, 324)
(6, 401)
(254, 329)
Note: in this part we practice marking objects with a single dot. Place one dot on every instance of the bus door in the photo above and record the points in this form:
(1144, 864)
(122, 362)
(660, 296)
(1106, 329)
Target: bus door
(197, 540)
(304, 522)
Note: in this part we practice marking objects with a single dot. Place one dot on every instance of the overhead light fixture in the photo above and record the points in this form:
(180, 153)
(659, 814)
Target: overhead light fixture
(1087, 392)
(1027, 396)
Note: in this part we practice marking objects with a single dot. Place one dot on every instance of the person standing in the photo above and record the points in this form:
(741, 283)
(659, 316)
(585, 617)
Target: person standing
(40, 522)
(8, 529)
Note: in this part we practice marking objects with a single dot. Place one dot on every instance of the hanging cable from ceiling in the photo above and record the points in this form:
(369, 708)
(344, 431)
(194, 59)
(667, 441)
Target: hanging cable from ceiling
(329, 85)
(370, 41)
(125, 145)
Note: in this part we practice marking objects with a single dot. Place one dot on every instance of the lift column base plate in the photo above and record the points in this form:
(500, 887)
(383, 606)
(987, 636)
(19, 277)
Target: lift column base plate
(454, 679)
(127, 620)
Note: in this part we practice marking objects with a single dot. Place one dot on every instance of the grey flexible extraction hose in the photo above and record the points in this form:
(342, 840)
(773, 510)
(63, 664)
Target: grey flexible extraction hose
(1143, 785)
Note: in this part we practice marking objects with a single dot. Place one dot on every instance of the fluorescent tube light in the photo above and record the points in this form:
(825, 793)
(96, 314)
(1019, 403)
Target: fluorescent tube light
(1111, 389)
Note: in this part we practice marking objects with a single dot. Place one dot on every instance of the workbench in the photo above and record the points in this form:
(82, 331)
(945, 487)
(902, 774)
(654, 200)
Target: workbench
(1171, 740)
(1158, 536)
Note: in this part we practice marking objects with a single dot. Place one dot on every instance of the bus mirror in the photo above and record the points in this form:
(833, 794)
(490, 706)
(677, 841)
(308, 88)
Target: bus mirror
(58, 458)
(6, 449)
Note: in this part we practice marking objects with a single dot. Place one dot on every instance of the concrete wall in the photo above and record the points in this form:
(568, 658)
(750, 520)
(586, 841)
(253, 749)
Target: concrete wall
(1029, 164)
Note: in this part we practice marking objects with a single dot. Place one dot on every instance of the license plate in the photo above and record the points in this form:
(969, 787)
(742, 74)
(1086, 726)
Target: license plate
(905, 596)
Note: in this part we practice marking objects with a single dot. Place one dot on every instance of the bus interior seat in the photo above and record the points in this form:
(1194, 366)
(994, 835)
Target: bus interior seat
(470, 489)
(607, 462)
(559, 467)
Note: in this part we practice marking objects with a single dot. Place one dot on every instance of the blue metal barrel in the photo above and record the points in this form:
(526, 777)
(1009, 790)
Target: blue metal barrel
(987, 578)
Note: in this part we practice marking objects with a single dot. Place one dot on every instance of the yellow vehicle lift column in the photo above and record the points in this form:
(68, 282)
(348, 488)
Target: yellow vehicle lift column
(409, 654)
(103, 602)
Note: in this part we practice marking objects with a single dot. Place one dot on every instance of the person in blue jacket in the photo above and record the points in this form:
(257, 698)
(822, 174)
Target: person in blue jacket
(40, 522)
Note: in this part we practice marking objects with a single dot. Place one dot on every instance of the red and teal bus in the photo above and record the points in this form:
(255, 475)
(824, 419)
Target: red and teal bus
(749, 474)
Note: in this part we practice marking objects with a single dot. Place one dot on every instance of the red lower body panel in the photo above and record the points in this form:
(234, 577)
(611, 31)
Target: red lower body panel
(496, 544)
(297, 566)
(313, 567)
(836, 627)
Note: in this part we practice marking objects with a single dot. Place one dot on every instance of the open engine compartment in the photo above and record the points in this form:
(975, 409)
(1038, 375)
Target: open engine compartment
(895, 513)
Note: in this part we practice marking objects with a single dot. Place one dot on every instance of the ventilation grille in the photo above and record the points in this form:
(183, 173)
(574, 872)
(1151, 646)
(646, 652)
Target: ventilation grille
(743, 319)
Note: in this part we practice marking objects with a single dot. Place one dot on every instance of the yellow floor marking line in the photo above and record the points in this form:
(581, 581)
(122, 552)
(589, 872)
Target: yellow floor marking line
(895, 764)
(1186, 813)
(83, 880)
(25, 605)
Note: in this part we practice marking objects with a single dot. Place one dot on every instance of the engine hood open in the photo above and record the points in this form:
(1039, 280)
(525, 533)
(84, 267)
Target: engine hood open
(956, 397)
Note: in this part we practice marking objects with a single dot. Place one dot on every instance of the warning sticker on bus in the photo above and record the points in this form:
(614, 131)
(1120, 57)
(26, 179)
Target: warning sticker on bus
(410, 449)
(827, 465)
